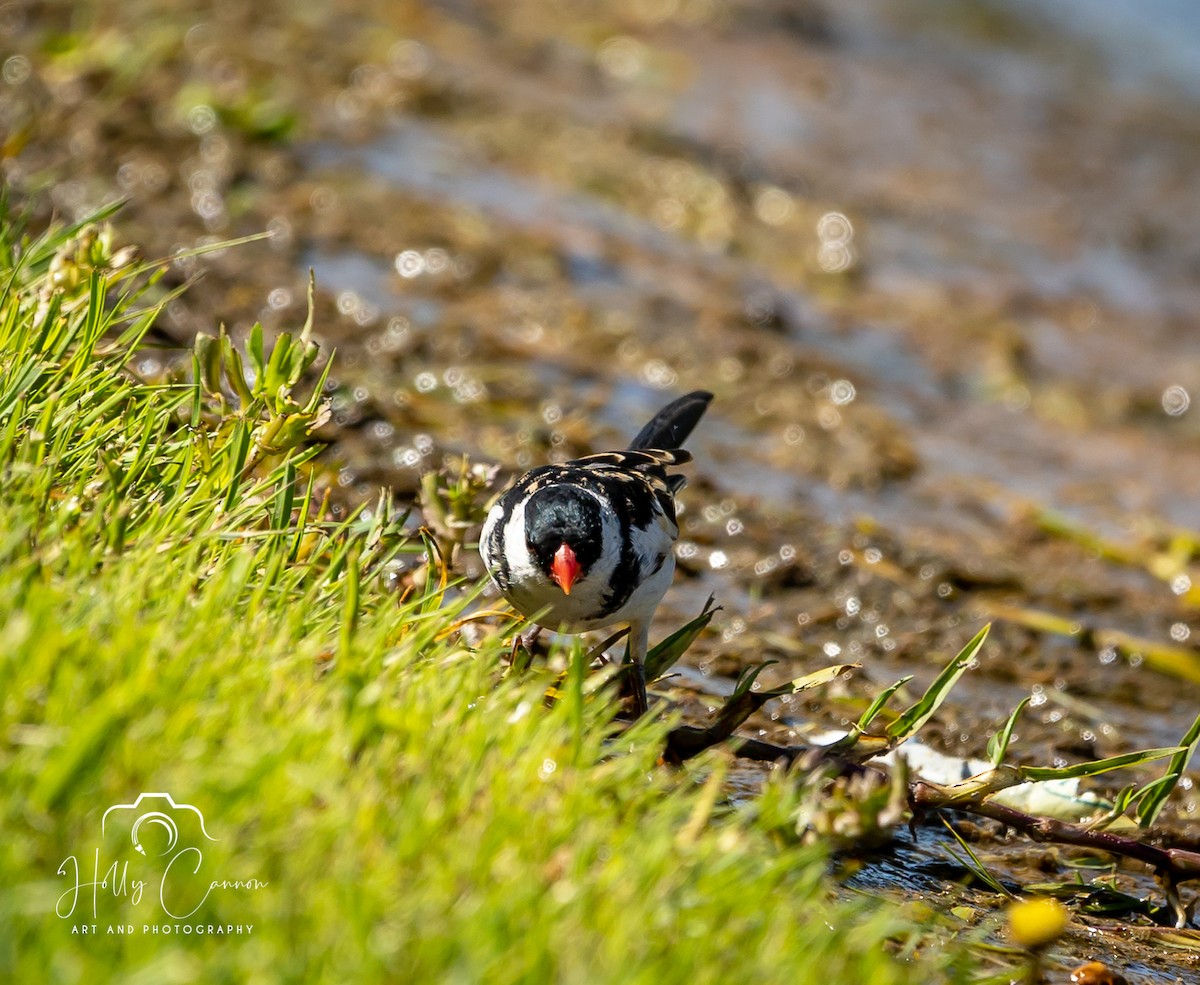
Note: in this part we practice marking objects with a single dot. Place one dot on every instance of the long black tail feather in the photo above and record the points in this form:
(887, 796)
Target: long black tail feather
(669, 428)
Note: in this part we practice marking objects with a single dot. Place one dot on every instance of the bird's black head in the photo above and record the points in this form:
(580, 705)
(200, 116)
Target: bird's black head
(562, 529)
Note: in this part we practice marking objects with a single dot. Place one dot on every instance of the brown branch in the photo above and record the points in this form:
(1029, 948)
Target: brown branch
(1181, 864)
(686, 741)
(1172, 865)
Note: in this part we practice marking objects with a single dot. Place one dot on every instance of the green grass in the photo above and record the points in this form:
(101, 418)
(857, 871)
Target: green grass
(179, 614)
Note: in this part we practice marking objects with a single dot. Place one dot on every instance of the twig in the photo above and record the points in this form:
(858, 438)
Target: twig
(1172, 865)
(687, 741)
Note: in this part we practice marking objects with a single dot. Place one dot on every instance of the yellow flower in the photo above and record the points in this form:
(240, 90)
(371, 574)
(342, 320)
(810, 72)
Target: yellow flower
(1035, 923)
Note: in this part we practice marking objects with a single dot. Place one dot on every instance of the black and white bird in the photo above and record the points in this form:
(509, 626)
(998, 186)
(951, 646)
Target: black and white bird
(588, 544)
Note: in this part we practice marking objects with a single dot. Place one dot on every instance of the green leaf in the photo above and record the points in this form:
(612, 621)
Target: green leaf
(912, 720)
(306, 331)
(279, 369)
(92, 734)
(1128, 795)
(207, 366)
(1095, 767)
(997, 747)
(879, 703)
(302, 523)
(662, 657)
(234, 371)
(748, 676)
(287, 497)
(350, 606)
(1152, 803)
(241, 445)
(254, 349)
(318, 394)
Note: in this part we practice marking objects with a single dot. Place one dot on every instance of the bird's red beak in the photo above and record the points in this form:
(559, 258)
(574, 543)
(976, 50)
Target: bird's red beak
(565, 568)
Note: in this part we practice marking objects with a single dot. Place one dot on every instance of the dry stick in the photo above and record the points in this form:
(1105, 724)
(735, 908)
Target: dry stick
(1179, 862)
(1172, 865)
(687, 741)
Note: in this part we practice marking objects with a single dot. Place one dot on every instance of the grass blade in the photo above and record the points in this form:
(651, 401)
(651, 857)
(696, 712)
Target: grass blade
(912, 720)
(974, 865)
(997, 747)
(1152, 802)
(1097, 766)
(662, 657)
(879, 704)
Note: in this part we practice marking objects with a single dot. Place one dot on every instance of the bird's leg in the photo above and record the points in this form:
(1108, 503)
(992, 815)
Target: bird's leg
(529, 640)
(523, 643)
(639, 644)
